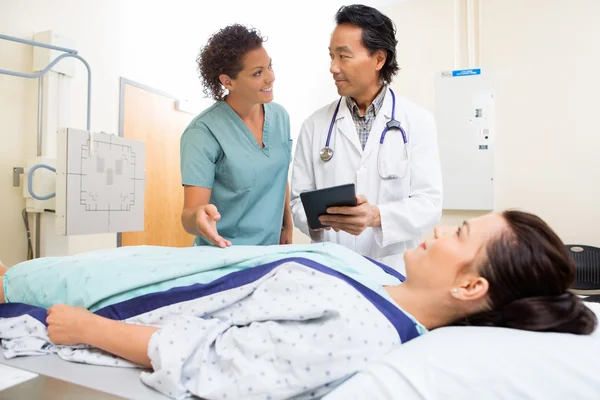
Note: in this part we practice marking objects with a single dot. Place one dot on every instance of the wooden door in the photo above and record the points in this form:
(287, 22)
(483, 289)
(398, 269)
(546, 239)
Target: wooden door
(150, 116)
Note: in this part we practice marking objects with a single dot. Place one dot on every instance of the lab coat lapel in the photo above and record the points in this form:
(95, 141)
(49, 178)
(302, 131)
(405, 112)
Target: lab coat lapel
(383, 116)
(345, 126)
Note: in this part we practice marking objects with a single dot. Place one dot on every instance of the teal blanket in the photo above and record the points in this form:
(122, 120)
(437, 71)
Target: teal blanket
(101, 278)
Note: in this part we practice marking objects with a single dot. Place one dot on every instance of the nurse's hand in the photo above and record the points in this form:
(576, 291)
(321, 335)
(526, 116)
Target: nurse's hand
(287, 233)
(353, 220)
(206, 224)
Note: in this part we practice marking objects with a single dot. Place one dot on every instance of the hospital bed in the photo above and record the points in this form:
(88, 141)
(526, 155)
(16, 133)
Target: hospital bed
(448, 363)
(103, 381)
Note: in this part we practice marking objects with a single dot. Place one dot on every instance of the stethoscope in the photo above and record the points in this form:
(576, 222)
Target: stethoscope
(326, 152)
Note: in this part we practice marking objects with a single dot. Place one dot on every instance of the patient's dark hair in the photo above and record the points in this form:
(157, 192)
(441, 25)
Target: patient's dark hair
(223, 54)
(529, 271)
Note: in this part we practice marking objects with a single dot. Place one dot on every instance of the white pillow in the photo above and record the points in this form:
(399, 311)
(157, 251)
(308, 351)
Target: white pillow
(483, 363)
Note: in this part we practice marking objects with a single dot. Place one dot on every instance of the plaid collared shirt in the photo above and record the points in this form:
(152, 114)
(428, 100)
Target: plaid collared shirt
(364, 123)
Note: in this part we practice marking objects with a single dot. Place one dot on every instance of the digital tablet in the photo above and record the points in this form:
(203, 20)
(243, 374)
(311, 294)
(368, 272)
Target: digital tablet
(316, 202)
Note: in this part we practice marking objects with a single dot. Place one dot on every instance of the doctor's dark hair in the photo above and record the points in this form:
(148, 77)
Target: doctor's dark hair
(530, 271)
(378, 33)
(223, 54)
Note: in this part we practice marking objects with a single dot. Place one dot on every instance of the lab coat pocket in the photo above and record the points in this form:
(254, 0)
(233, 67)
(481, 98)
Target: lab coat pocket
(395, 178)
(392, 168)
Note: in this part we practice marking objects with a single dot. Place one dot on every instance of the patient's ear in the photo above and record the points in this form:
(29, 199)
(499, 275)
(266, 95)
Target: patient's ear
(470, 288)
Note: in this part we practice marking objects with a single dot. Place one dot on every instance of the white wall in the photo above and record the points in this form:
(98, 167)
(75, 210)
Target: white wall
(545, 58)
(547, 95)
(152, 42)
(543, 53)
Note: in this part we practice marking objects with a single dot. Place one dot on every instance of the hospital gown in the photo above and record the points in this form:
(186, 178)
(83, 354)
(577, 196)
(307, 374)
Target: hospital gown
(288, 328)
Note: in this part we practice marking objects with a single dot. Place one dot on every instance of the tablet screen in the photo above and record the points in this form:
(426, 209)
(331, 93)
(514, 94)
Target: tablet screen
(316, 202)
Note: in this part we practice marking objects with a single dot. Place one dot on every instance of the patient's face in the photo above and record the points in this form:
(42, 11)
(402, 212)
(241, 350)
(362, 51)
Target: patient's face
(441, 262)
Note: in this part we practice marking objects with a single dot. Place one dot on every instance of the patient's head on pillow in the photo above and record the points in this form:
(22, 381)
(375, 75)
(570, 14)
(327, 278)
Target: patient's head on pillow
(507, 270)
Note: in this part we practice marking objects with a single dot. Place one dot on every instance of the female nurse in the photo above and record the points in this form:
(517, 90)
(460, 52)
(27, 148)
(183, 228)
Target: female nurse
(235, 155)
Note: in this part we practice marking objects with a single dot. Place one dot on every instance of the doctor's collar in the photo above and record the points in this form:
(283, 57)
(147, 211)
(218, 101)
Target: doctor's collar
(375, 105)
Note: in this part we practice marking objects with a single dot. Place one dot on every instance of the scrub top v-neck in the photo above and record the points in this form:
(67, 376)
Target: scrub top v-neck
(248, 181)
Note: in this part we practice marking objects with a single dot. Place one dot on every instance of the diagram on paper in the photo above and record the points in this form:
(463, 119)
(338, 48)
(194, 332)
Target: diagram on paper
(108, 177)
(104, 188)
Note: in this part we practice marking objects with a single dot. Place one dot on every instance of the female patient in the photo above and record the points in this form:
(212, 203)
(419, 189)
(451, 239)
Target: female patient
(507, 270)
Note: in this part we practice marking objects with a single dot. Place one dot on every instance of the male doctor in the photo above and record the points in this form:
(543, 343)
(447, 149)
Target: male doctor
(396, 172)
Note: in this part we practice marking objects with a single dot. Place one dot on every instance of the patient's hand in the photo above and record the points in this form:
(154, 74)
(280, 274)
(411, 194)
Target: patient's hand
(68, 325)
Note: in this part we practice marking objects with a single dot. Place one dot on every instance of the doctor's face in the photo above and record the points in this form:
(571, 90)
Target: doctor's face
(354, 69)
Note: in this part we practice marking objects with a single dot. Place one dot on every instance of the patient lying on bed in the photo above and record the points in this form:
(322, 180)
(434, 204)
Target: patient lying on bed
(272, 323)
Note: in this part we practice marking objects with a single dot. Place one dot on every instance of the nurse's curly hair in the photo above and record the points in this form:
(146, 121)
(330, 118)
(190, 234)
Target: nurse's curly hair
(223, 54)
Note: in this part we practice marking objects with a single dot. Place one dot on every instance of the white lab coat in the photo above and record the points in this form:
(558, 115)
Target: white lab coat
(409, 205)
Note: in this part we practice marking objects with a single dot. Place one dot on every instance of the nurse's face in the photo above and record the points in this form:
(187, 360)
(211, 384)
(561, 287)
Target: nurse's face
(448, 260)
(254, 83)
(354, 69)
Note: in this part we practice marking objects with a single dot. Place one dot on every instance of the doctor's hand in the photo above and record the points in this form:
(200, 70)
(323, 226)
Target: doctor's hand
(353, 220)
(206, 218)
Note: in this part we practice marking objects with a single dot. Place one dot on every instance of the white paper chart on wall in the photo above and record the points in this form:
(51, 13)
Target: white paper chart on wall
(465, 117)
(102, 190)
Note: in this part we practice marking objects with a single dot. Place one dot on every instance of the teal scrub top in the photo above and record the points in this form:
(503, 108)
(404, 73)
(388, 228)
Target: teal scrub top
(248, 182)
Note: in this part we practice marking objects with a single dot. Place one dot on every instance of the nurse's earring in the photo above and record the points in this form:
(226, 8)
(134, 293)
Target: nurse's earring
(454, 290)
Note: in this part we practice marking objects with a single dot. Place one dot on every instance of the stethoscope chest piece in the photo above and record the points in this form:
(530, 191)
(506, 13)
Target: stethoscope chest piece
(326, 153)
